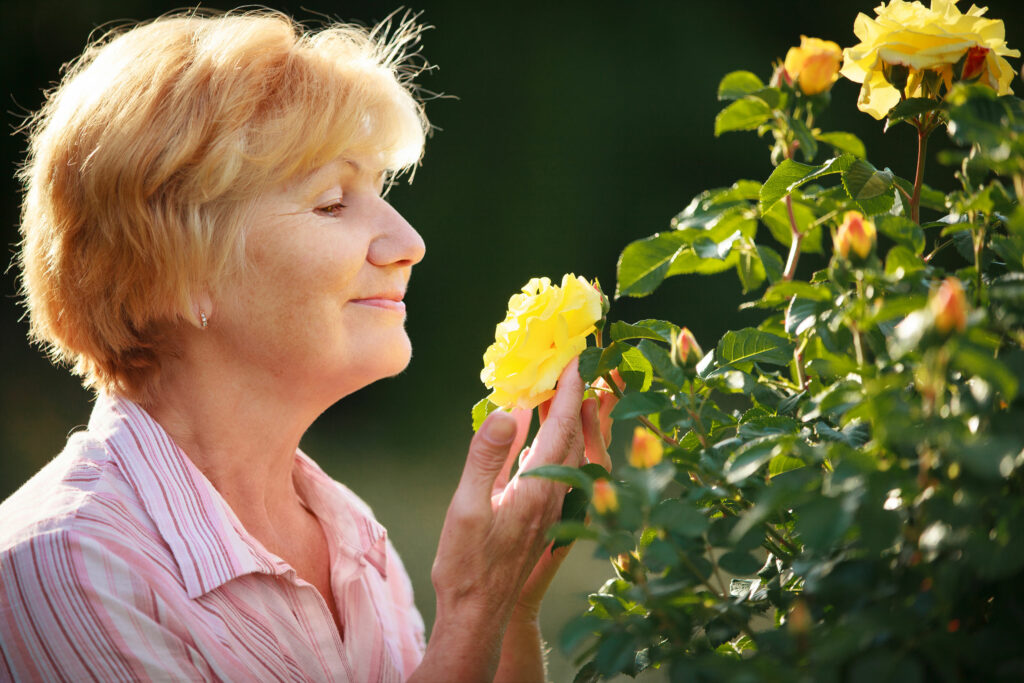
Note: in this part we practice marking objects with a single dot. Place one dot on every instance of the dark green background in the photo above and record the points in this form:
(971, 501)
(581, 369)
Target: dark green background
(572, 129)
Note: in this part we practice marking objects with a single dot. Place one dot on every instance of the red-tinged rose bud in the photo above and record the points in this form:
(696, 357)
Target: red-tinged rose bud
(949, 305)
(605, 499)
(953, 626)
(686, 350)
(856, 234)
(646, 450)
(974, 63)
(799, 619)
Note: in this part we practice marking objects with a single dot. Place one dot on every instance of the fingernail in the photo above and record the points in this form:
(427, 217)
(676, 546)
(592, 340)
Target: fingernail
(500, 427)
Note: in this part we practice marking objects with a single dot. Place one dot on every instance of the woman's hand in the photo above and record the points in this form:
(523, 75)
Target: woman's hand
(494, 535)
(597, 436)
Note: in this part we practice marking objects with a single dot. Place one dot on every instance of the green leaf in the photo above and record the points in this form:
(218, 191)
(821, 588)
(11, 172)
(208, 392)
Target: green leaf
(903, 231)
(750, 269)
(635, 370)
(644, 403)
(821, 522)
(615, 653)
(900, 262)
(679, 518)
(863, 181)
(777, 220)
(481, 410)
(911, 107)
(579, 629)
(790, 175)
(977, 362)
(751, 344)
(745, 114)
(597, 361)
(621, 331)
(572, 524)
(782, 292)
(843, 142)
(570, 476)
(645, 263)
(807, 144)
(738, 84)
(801, 314)
(662, 363)
(739, 563)
(773, 263)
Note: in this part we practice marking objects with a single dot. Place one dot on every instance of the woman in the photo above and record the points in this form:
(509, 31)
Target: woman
(206, 245)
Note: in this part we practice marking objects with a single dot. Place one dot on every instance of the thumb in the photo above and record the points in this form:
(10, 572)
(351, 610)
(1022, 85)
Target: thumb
(488, 452)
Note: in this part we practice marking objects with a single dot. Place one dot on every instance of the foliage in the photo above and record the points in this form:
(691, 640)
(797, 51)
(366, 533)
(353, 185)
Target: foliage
(841, 495)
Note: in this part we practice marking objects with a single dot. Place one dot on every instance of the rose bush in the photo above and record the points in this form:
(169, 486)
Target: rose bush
(545, 327)
(839, 493)
(909, 50)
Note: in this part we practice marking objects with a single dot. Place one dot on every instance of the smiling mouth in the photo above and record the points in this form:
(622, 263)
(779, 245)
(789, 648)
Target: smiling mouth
(387, 304)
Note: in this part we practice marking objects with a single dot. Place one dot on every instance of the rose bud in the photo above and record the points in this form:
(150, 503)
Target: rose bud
(974, 63)
(605, 500)
(857, 234)
(949, 305)
(646, 450)
(814, 65)
(686, 351)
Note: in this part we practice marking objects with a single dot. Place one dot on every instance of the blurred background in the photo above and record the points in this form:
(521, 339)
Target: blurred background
(569, 129)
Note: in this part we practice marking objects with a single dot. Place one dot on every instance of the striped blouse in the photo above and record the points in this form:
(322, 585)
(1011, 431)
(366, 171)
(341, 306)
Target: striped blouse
(120, 561)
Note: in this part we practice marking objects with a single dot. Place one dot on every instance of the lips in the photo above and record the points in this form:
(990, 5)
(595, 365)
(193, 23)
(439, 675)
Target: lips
(390, 301)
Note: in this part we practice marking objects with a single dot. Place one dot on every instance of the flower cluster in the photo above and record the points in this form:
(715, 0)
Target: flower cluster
(546, 327)
(910, 50)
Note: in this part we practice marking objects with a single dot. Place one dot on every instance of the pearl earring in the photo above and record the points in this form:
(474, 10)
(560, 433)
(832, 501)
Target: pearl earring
(203, 322)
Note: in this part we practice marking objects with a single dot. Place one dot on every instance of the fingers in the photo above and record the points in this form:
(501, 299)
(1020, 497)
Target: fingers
(559, 440)
(607, 401)
(488, 454)
(593, 439)
(522, 418)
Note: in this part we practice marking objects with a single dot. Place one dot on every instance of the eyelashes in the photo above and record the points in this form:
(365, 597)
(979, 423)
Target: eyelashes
(332, 210)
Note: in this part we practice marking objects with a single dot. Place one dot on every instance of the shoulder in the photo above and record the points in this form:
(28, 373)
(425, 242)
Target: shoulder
(81, 493)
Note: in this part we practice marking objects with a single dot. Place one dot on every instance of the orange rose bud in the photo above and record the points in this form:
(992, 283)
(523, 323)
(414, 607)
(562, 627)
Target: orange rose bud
(857, 234)
(974, 63)
(687, 350)
(949, 305)
(646, 451)
(605, 500)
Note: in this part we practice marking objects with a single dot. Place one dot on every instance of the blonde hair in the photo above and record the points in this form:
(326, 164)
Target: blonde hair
(143, 161)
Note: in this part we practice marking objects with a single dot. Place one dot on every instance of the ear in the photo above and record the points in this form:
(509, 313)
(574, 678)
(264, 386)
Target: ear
(202, 310)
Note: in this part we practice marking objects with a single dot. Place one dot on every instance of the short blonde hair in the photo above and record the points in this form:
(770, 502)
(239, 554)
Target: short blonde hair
(143, 161)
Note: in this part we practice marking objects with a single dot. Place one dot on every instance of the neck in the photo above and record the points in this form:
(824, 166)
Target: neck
(240, 431)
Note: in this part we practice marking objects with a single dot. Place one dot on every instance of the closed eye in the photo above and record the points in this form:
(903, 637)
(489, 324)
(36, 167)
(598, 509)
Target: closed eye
(332, 210)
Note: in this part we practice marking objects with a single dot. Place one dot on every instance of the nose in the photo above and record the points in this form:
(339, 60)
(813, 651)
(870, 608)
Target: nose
(397, 242)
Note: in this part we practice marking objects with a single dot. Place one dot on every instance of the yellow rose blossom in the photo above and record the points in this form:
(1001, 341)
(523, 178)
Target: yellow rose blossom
(856, 234)
(923, 39)
(814, 66)
(546, 327)
(646, 451)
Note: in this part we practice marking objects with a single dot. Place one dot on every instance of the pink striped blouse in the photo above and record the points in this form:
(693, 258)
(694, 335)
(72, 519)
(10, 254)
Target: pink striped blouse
(120, 561)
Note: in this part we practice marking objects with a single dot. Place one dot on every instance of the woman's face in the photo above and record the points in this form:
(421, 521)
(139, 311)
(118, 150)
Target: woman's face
(320, 309)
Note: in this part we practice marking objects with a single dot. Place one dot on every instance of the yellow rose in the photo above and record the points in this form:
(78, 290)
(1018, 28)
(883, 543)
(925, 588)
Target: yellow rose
(928, 42)
(546, 327)
(814, 65)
